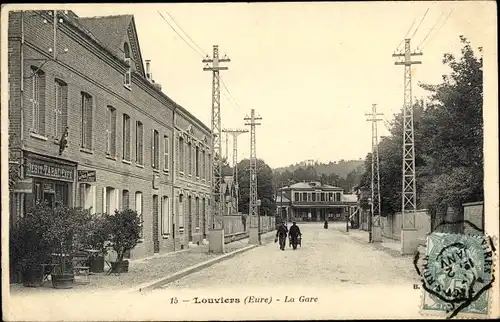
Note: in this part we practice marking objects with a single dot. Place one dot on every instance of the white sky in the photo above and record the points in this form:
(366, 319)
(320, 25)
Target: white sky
(311, 70)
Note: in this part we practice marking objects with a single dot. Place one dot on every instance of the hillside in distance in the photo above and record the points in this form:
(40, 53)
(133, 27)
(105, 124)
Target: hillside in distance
(341, 168)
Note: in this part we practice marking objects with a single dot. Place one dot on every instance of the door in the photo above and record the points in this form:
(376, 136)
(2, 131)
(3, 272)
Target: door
(156, 241)
(204, 219)
(190, 219)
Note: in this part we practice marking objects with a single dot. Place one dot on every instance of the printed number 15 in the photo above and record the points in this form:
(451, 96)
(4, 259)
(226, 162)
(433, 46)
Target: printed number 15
(173, 300)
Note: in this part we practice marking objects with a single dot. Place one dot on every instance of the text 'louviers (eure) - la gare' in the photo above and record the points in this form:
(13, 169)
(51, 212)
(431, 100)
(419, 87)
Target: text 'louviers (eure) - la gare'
(250, 299)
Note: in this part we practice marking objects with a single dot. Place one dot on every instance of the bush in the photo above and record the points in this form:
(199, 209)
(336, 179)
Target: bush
(124, 229)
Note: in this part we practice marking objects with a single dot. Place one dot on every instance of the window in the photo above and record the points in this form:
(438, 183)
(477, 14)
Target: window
(38, 101)
(139, 142)
(166, 149)
(181, 212)
(197, 215)
(197, 161)
(209, 167)
(127, 77)
(330, 196)
(86, 121)
(125, 200)
(304, 196)
(155, 150)
(110, 200)
(60, 108)
(296, 198)
(165, 216)
(126, 137)
(190, 158)
(322, 196)
(203, 172)
(111, 131)
(87, 197)
(138, 209)
(181, 154)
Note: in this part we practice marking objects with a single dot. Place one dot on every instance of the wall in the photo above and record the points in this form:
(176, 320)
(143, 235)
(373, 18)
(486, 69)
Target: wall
(391, 225)
(473, 212)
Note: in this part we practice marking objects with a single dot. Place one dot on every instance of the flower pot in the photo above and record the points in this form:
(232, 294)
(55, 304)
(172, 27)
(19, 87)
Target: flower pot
(62, 281)
(96, 264)
(120, 267)
(32, 277)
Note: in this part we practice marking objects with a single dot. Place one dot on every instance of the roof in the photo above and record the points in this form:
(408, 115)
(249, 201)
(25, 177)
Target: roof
(278, 199)
(312, 185)
(350, 198)
(111, 32)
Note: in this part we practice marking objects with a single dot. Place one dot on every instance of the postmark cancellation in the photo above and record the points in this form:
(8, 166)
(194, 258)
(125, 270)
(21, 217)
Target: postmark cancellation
(457, 275)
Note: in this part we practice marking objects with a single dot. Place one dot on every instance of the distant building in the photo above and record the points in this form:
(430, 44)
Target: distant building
(313, 201)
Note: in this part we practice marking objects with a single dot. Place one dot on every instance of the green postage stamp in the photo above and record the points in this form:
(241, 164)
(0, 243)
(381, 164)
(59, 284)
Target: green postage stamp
(457, 275)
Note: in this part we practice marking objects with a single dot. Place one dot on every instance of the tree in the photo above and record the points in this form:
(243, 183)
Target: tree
(265, 188)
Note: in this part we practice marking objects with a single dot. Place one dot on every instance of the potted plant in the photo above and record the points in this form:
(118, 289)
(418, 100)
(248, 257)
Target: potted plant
(124, 234)
(28, 247)
(94, 239)
(67, 225)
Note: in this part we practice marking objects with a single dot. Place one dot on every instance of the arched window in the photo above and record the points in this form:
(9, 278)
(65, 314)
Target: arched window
(126, 50)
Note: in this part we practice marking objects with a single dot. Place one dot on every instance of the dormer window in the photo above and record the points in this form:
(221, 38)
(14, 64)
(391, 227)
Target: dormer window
(127, 79)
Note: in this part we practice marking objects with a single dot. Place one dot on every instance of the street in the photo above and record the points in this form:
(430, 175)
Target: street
(327, 257)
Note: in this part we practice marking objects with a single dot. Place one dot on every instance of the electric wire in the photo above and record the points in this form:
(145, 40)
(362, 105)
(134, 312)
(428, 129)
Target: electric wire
(430, 30)
(444, 22)
(406, 35)
(425, 14)
(180, 27)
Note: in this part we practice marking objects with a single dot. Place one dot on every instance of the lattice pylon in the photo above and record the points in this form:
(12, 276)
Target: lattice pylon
(409, 191)
(252, 207)
(218, 199)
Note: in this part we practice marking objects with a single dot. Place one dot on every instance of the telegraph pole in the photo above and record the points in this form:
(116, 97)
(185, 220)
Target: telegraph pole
(375, 187)
(252, 209)
(217, 204)
(409, 192)
(235, 133)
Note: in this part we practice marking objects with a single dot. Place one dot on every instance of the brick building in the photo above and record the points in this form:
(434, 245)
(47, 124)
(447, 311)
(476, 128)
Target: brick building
(128, 144)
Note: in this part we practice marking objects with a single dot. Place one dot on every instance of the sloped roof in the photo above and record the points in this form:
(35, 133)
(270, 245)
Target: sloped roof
(278, 199)
(311, 185)
(111, 30)
(350, 198)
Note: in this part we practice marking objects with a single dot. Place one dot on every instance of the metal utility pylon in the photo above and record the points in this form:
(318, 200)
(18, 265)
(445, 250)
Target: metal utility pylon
(217, 204)
(409, 192)
(235, 133)
(375, 187)
(253, 207)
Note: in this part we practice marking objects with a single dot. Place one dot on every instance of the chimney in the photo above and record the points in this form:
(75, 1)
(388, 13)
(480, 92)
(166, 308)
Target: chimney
(149, 77)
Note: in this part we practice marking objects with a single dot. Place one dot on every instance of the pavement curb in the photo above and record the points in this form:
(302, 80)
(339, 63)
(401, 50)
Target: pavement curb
(149, 286)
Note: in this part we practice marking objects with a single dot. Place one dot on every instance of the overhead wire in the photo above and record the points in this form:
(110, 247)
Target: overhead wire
(439, 29)
(202, 54)
(430, 30)
(180, 27)
(406, 35)
(425, 14)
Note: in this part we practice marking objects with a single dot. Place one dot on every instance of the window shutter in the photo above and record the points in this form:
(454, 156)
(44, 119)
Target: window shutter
(153, 148)
(104, 200)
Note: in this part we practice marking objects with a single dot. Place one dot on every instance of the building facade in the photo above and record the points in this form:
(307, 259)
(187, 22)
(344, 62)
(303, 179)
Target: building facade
(89, 127)
(313, 201)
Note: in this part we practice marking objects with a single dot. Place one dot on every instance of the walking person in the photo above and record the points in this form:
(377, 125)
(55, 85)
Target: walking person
(294, 234)
(281, 233)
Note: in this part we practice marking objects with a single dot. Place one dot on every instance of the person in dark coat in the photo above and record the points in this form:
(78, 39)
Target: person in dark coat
(281, 233)
(294, 234)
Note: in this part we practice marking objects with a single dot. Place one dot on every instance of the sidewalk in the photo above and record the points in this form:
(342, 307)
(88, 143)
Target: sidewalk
(388, 245)
(145, 270)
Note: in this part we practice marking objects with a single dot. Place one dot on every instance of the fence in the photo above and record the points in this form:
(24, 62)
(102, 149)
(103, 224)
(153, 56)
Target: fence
(234, 229)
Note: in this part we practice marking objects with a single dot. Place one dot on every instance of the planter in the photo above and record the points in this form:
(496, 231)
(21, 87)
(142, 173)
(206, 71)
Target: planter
(62, 281)
(96, 264)
(120, 267)
(32, 277)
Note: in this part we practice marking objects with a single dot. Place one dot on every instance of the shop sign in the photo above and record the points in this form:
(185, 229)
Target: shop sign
(44, 169)
(86, 176)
